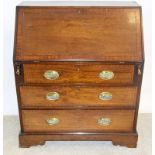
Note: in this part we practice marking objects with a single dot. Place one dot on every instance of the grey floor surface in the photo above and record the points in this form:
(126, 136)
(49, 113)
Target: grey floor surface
(11, 130)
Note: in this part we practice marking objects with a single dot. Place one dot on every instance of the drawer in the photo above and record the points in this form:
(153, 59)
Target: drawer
(78, 120)
(72, 73)
(75, 96)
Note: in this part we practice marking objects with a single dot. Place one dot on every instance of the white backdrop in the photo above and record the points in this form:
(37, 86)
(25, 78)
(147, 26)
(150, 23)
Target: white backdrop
(10, 100)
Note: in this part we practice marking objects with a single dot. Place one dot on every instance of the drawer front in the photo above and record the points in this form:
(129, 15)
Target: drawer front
(78, 120)
(71, 73)
(62, 96)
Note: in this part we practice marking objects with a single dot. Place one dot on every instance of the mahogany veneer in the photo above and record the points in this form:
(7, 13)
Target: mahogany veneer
(76, 73)
(78, 70)
(36, 96)
(77, 120)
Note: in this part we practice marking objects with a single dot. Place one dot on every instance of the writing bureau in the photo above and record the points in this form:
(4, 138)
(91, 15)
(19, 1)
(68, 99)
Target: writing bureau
(78, 70)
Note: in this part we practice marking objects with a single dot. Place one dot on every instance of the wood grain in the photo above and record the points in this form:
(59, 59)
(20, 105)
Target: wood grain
(77, 120)
(72, 73)
(79, 33)
(78, 42)
(77, 97)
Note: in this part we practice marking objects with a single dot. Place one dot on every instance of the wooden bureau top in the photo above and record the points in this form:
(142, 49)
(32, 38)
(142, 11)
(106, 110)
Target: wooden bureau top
(78, 33)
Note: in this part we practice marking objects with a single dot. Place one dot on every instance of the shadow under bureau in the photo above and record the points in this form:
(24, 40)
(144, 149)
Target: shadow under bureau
(78, 70)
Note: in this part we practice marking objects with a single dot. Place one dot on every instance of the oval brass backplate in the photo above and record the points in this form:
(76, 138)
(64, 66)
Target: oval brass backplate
(105, 96)
(104, 121)
(106, 75)
(52, 96)
(51, 74)
(53, 121)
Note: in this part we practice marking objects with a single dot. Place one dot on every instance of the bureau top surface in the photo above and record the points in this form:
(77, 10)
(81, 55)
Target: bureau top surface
(78, 32)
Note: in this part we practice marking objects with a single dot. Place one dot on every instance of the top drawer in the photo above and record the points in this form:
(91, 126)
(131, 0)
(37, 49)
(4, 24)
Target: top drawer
(77, 73)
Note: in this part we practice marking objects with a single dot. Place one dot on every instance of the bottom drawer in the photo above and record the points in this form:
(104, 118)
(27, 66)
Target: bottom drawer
(78, 120)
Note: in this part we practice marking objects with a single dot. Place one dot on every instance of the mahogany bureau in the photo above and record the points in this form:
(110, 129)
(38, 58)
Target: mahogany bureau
(78, 70)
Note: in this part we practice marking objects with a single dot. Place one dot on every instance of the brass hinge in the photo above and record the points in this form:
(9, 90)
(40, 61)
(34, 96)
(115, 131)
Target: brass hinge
(18, 69)
(139, 70)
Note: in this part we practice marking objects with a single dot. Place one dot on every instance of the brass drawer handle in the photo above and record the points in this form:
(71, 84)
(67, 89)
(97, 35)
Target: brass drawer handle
(53, 121)
(52, 96)
(106, 75)
(105, 96)
(51, 74)
(104, 121)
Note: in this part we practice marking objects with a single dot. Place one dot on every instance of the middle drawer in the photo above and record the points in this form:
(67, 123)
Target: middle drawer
(78, 96)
